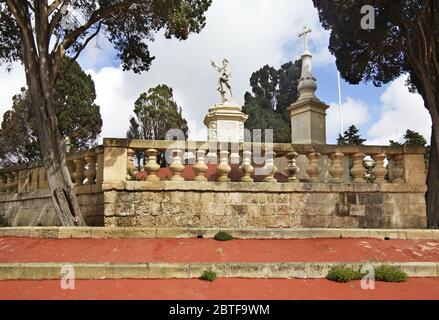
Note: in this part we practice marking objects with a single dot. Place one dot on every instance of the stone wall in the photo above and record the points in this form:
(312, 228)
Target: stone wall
(265, 205)
(36, 207)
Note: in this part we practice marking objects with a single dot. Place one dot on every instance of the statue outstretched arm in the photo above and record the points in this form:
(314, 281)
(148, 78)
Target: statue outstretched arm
(217, 67)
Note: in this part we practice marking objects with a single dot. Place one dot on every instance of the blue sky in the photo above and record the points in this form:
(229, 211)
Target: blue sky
(250, 33)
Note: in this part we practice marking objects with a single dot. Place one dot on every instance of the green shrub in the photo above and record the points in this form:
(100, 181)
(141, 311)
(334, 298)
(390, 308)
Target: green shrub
(388, 273)
(343, 274)
(223, 236)
(3, 223)
(208, 275)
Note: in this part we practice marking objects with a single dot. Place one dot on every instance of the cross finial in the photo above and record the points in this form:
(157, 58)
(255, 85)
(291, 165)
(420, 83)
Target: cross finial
(304, 34)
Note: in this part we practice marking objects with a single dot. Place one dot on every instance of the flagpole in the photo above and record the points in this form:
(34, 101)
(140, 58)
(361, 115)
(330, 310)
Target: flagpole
(340, 105)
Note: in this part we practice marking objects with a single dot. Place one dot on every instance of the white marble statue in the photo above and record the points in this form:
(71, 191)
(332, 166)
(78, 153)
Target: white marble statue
(224, 86)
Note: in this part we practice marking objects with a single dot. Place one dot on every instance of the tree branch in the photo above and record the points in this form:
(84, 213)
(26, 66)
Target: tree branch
(98, 29)
(54, 22)
(97, 16)
(55, 5)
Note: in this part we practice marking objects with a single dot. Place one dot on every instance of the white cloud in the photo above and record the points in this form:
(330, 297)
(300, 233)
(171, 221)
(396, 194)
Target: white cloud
(355, 112)
(251, 33)
(401, 110)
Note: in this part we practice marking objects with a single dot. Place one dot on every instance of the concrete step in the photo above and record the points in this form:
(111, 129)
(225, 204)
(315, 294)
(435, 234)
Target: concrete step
(154, 233)
(94, 271)
(122, 258)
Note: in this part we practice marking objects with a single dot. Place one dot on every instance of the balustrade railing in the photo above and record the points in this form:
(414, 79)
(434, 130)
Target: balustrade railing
(85, 169)
(303, 163)
(117, 160)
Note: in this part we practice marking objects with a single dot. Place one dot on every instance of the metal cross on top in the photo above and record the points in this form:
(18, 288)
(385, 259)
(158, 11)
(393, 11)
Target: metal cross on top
(304, 34)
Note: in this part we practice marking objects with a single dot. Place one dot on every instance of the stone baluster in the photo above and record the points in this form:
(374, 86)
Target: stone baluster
(314, 170)
(177, 167)
(398, 168)
(379, 171)
(14, 186)
(71, 167)
(336, 170)
(79, 172)
(9, 182)
(90, 173)
(223, 169)
(131, 168)
(270, 169)
(358, 171)
(292, 168)
(200, 168)
(246, 168)
(151, 166)
(3, 182)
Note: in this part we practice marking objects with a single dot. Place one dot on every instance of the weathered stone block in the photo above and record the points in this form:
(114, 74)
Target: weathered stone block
(267, 210)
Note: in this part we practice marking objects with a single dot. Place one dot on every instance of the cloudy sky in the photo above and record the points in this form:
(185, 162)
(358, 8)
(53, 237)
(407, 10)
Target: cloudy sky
(251, 34)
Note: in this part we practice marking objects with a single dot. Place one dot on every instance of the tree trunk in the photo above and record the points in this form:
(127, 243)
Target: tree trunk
(432, 196)
(54, 158)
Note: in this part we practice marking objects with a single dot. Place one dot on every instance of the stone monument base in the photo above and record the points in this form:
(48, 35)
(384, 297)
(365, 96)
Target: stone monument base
(225, 123)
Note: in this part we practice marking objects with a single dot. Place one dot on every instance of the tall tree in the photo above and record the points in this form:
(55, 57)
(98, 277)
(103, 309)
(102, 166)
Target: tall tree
(79, 117)
(155, 113)
(351, 136)
(413, 138)
(39, 33)
(404, 40)
(273, 91)
(18, 142)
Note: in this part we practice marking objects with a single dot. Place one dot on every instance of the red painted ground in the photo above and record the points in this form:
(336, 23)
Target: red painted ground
(204, 250)
(223, 289)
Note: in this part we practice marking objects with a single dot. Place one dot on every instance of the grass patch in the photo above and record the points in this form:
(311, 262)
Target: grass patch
(388, 273)
(343, 274)
(208, 275)
(223, 236)
(4, 223)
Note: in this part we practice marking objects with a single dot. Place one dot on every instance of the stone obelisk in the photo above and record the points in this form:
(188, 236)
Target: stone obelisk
(308, 113)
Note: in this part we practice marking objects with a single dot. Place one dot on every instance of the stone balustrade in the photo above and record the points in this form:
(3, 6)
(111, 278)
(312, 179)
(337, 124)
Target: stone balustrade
(269, 162)
(25, 198)
(216, 185)
(85, 169)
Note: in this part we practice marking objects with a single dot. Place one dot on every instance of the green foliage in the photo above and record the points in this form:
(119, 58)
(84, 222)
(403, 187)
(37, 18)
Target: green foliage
(388, 273)
(273, 91)
(384, 273)
(208, 275)
(343, 274)
(223, 236)
(79, 117)
(3, 222)
(18, 141)
(155, 113)
(381, 54)
(413, 138)
(125, 23)
(351, 137)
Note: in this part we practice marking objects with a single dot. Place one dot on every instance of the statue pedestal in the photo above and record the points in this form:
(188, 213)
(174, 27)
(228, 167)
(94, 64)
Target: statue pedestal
(308, 121)
(225, 123)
